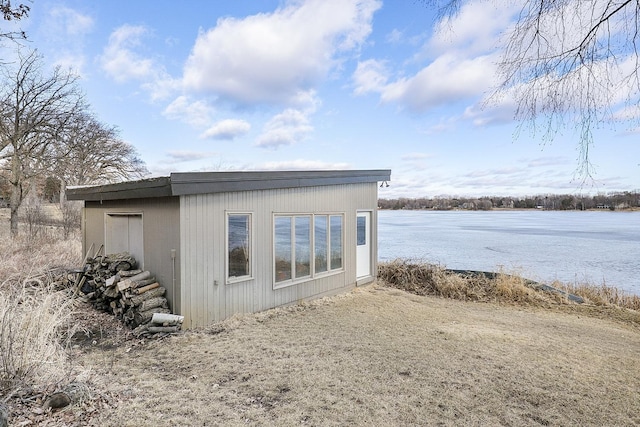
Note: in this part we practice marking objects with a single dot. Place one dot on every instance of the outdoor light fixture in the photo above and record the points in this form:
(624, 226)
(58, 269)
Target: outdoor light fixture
(384, 184)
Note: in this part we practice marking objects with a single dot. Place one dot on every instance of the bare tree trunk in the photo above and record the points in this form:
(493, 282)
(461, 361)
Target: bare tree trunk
(63, 193)
(16, 195)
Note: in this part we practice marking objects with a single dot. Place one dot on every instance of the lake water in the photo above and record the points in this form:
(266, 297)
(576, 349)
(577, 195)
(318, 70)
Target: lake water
(569, 246)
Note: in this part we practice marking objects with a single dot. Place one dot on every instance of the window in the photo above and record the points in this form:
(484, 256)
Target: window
(306, 245)
(361, 230)
(336, 241)
(321, 243)
(282, 231)
(238, 246)
(303, 246)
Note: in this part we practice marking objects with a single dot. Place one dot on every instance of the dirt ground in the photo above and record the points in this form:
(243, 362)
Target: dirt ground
(376, 356)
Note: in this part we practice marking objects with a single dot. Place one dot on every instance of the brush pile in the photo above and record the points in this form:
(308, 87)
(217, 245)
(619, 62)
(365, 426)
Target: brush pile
(112, 284)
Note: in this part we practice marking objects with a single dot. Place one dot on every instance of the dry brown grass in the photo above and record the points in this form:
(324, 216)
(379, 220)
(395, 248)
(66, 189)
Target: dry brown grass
(602, 295)
(422, 278)
(376, 356)
(380, 356)
(35, 314)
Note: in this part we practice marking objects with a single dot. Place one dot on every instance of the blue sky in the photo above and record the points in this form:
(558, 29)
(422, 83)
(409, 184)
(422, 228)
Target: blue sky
(319, 84)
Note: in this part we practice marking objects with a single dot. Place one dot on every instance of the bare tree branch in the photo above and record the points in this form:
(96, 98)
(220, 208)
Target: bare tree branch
(570, 63)
(33, 110)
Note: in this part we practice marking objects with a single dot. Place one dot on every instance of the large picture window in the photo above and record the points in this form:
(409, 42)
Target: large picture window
(306, 246)
(238, 246)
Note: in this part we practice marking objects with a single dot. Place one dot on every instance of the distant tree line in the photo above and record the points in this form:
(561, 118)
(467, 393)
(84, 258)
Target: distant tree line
(608, 201)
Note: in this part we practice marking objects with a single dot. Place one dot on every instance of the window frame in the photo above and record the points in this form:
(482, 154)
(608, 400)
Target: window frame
(312, 247)
(250, 251)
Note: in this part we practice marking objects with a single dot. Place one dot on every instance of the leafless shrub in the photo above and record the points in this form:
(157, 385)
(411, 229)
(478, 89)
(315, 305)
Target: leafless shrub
(71, 218)
(34, 216)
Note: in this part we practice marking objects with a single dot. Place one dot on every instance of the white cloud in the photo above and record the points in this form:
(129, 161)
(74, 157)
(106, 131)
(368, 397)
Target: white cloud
(227, 129)
(286, 128)
(475, 30)
(277, 57)
(63, 34)
(301, 164)
(447, 79)
(120, 61)
(187, 156)
(457, 64)
(395, 36)
(415, 156)
(70, 22)
(370, 76)
(194, 113)
(123, 63)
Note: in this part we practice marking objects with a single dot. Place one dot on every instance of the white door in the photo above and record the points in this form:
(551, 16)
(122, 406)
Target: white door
(123, 233)
(363, 242)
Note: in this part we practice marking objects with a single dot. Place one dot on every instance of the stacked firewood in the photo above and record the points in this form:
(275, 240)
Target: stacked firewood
(111, 284)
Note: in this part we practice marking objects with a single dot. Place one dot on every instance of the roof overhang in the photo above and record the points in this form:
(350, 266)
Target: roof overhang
(186, 183)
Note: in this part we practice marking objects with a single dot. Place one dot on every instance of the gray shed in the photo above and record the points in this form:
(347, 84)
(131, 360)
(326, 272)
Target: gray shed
(223, 243)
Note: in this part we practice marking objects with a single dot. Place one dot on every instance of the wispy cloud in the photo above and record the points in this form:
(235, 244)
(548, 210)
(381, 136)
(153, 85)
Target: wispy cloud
(286, 128)
(188, 156)
(121, 61)
(302, 164)
(65, 32)
(196, 113)
(227, 129)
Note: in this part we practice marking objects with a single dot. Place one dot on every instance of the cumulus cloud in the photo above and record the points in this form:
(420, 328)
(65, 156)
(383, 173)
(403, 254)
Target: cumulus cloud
(195, 113)
(450, 78)
(286, 128)
(119, 59)
(457, 64)
(277, 57)
(227, 129)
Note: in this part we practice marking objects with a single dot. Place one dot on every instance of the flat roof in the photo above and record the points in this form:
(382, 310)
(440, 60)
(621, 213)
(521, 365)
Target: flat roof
(185, 183)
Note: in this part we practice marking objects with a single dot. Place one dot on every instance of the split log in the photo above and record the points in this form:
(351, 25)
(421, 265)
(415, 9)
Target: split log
(153, 303)
(137, 332)
(127, 283)
(140, 283)
(138, 299)
(110, 293)
(145, 316)
(163, 329)
(129, 273)
(112, 280)
(144, 289)
(167, 319)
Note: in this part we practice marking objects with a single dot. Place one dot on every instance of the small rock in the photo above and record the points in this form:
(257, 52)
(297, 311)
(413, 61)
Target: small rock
(57, 400)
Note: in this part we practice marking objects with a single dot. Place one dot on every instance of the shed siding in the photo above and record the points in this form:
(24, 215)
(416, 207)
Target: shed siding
(161, 233)
(206, 297)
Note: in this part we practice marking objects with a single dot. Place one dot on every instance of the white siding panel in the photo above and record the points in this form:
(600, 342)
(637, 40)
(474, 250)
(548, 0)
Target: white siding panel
(206, 296)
